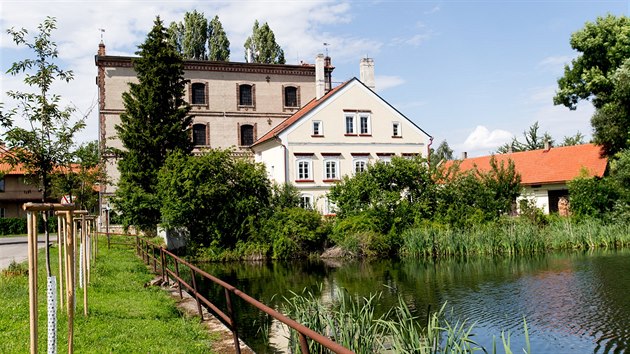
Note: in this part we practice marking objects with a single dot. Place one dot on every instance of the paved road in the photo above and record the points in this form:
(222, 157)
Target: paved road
(15, 248)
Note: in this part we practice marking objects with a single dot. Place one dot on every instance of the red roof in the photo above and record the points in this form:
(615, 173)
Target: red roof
(556, 165)
(314, 103)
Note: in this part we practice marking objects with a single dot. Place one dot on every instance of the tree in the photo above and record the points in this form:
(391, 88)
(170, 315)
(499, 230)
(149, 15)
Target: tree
(218, 43)
(604, 48)
(533, 141)
(195, 36)
(577, 139)
(215, 196)
(79, 177)
(442, 153)
(262, 46)
(199, 39)
(46, 145)
(154, 124)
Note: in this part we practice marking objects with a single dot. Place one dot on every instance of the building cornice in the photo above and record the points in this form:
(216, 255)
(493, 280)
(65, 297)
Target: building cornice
(219, 66)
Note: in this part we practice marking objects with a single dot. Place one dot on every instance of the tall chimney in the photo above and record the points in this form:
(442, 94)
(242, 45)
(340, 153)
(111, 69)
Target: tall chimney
(547, 145)
(101, 49)
(320, 84)
(464, 155)
(366, 70)
(328, 73)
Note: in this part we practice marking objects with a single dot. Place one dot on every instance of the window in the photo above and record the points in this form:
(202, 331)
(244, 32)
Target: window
(360, 165)
(331, 169)
(198, 93)
(364, 124)
(318, 128)
(349, 124)
(385, 157)
(247, 134)
(396, 129)
(329, 207)
(2, 212)
(290, 96)
(304, 169)
(245, 95)
(199, 134)
(306, 201)
(2, 185)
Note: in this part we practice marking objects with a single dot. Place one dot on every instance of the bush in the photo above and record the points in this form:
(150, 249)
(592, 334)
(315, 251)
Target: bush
(12, 226)
(362, 235)
(294, 232)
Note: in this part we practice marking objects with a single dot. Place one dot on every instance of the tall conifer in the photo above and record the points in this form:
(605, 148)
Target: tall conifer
(262, 45)
(154, 123)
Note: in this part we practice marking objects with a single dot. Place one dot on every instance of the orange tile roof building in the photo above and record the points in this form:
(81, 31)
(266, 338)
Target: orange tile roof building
(545, 173)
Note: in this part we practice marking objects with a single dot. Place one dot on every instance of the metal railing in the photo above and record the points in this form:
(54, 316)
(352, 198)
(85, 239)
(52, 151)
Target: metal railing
(160, 259)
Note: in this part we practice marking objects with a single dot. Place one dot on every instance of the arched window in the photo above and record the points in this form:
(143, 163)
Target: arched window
(245, 95)
(247, 134)
(198, 93)
(290, 96)
(199, 134)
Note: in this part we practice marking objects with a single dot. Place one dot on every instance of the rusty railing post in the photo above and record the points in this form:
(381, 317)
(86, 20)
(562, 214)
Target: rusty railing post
(303, 344)
(192, 274)
(179, 283)
(230, 308)
(163, 259)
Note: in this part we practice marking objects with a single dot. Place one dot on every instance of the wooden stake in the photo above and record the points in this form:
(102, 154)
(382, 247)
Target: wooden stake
(84, 264)
(31, 219)
(60, 245)
(70, 288)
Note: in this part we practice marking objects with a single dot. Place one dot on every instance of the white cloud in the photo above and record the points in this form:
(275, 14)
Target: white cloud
(299, 29)
(483, 140)
(435, 9)
(554, 63)
(384, 82)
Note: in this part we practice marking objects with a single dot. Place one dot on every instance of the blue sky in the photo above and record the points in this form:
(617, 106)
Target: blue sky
(474, 73)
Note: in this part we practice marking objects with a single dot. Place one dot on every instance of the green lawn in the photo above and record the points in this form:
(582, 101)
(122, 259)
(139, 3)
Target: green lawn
(124, 316)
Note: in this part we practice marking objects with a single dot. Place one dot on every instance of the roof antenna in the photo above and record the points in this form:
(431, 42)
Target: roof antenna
(102, 30)
(326, 47)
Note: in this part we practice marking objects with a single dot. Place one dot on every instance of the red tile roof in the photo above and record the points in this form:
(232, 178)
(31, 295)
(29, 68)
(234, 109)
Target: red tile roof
(299, 114)
(556, 165)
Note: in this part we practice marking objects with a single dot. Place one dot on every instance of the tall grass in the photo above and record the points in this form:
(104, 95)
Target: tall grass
(511, 237)
(351, 322)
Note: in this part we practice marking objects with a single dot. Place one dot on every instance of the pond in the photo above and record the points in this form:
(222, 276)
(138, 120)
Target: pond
(573, 302)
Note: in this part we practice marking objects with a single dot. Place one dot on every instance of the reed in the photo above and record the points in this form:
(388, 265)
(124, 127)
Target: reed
(351, 321)
(513, 237)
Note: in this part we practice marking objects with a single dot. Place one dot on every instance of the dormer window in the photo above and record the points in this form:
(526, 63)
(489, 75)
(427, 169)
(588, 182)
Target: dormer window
(198, 93)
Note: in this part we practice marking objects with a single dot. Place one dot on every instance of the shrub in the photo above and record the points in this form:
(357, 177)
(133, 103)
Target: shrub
(12, 226)
(294, 232)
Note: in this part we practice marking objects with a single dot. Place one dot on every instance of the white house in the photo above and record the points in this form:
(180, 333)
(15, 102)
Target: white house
(338, 133)
(545, 172)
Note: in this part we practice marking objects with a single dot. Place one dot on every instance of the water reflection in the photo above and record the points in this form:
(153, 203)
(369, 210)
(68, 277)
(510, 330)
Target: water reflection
(573, 302)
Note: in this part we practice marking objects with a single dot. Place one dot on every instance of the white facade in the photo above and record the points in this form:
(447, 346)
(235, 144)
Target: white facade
(344, 131)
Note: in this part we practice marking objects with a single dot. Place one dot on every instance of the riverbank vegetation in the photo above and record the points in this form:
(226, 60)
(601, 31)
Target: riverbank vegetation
(146, 318)
(354, 323)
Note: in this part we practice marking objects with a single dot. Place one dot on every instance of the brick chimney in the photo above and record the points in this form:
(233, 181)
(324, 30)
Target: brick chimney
(101, 49)
(366, 70)
(320, 83)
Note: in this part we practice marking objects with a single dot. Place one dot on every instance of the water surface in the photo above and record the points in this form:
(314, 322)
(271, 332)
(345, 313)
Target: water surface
(573, 302)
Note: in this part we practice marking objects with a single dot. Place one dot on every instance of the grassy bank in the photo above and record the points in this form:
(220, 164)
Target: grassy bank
(124, 316)
(513, 236)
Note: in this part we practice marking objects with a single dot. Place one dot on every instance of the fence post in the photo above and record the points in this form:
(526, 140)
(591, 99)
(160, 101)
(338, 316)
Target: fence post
(32, 276)
(163, 260)
(192, 274)
(230, 308)
(60, 245)
(179, 284)
(303, 344)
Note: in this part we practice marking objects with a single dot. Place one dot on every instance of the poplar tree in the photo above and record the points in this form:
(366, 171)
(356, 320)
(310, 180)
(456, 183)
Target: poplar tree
(218, 43)
(195, 36)
(262, 45)
(154, 123)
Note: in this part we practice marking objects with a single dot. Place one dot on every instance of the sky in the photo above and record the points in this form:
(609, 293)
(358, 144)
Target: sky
(473, 73)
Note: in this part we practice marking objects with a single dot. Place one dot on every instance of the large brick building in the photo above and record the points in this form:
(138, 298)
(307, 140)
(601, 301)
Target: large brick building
(233, 104)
